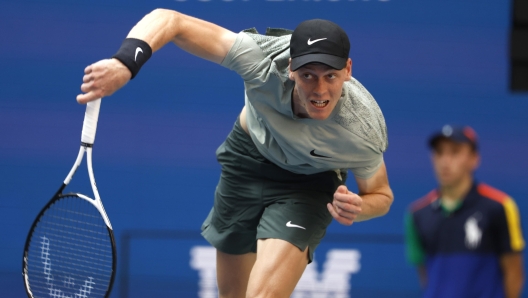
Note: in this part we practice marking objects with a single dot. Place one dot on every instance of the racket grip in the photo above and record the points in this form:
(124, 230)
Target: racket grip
(90, 121)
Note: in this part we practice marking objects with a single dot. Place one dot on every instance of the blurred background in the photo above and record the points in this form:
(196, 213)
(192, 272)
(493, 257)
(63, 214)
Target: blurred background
(427, 63)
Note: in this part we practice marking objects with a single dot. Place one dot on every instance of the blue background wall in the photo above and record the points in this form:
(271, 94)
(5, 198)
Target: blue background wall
(426, 62)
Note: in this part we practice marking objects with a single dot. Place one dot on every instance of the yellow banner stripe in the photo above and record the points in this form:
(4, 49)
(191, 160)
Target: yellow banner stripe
(514, 224)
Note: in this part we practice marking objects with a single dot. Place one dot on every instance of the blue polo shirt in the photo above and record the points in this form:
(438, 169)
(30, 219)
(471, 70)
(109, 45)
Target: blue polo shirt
(460, 248)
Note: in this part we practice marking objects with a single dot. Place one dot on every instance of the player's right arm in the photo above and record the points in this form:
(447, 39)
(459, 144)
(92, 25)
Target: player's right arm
(161, 26)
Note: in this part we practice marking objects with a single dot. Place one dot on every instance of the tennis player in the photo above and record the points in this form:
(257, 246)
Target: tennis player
(305, 123)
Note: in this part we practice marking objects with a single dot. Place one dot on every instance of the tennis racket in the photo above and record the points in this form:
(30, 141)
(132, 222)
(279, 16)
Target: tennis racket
(70, 250)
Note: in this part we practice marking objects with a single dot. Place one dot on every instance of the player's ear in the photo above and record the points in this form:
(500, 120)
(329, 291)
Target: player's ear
(348, 68)
(290, 72)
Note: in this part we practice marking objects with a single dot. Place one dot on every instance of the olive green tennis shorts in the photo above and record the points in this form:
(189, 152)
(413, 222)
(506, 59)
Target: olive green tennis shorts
(256, 199)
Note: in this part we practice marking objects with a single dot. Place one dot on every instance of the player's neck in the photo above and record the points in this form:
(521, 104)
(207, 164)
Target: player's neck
(457, 191)
(297, 108)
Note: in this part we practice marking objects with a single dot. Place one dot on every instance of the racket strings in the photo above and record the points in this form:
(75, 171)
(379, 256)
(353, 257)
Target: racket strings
(70, 252)
(61, 232)
(82, 245)
(76, 221)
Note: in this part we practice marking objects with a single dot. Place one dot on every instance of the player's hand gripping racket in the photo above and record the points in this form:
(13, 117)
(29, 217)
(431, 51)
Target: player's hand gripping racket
(70, 249)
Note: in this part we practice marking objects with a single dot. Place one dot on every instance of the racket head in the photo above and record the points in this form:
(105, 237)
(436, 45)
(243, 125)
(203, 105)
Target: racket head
(70, 251)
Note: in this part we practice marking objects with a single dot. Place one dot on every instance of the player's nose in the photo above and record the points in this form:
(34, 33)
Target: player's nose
(320, 88)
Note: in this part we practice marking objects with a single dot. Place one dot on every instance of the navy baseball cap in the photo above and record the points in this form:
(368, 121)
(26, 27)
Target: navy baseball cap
(459, 134)
(319, 41)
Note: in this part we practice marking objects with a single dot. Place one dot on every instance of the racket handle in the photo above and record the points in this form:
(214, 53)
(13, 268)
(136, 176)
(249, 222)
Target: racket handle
(90, 121)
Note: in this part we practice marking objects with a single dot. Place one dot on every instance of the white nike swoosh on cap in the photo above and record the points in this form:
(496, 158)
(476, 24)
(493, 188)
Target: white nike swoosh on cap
(138, 49)
(311, 42)
(290, 225)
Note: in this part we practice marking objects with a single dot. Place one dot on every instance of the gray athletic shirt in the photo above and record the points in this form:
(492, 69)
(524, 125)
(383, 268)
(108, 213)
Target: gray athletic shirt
(353, 137)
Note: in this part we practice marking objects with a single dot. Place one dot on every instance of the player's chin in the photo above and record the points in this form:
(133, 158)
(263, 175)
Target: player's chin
(320, 114)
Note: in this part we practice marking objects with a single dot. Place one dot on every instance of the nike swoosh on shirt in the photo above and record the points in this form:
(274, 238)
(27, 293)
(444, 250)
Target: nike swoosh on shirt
(311, 42)
(290, 225)
(312, 153)
(138, 49)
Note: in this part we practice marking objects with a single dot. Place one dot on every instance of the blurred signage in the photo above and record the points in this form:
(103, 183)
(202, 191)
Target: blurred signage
(332, 281)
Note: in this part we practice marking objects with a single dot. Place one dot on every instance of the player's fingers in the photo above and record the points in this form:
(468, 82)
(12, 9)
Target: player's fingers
(87, 78)
(332, 210)
(88, 69)
(342, 220)
(339, 214)
(87, 97)
(351, 198)
(342, 209)
(342, 189)
(81, 98)
(87, 87)
(346, 207)
(345, 222)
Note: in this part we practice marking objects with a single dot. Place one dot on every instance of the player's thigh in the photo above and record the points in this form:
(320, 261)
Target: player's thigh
(232, 273)
(278, 268)
(298, 217)
(231, 226)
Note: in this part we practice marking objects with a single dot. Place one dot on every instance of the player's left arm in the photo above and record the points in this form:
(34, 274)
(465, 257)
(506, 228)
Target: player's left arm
(513, 273)
(374, 199)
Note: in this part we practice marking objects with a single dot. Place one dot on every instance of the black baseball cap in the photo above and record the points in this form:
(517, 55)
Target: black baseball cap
(319, 41)
(459, 134)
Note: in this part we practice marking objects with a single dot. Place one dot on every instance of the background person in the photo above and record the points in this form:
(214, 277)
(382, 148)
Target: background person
(465, 236)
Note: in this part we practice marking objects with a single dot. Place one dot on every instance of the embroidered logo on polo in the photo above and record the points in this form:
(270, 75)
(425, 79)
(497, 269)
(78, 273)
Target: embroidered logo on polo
(473, 232)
